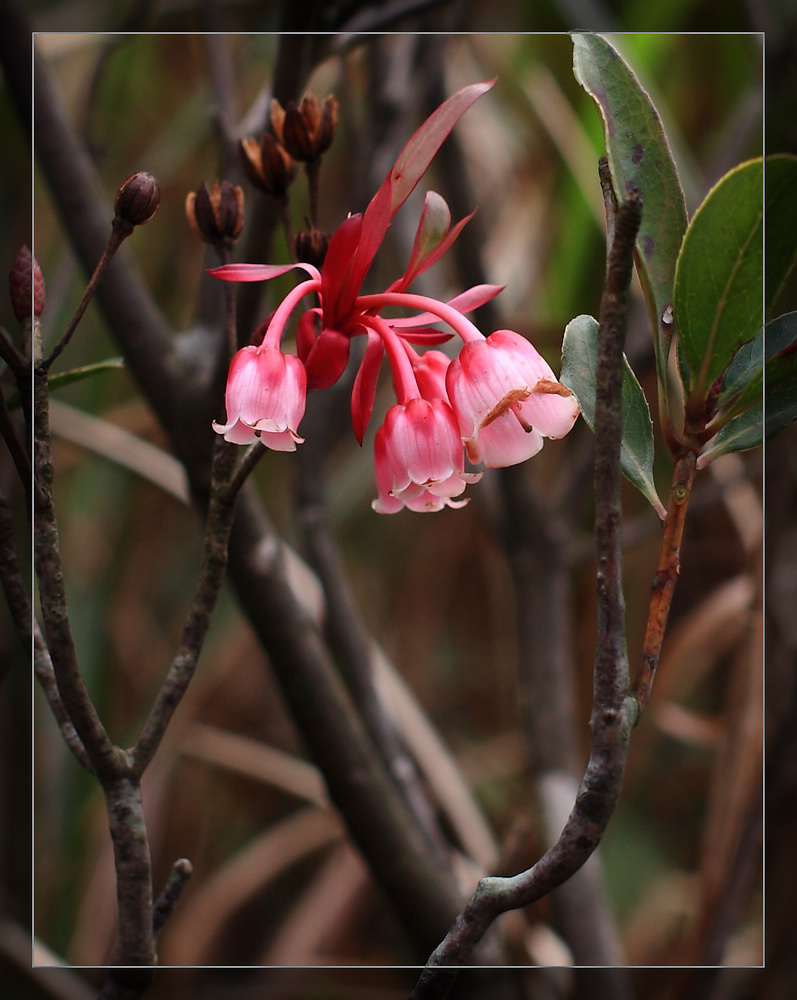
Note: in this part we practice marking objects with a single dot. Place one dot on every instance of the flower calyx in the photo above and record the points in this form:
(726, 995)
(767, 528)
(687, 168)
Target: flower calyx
(268, 164)
(306, 131)
(217, 216)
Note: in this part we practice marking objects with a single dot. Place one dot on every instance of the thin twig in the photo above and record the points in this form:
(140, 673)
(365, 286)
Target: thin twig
(12, 356)
(120, 230)
(45, 675)
(182, 870)
(221, 512)
(104, 756)
(609, 724)
(245, 467)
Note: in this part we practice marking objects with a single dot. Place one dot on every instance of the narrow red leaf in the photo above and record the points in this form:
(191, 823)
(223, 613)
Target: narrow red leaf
(258, 272)
(419, 152)
(365, 382)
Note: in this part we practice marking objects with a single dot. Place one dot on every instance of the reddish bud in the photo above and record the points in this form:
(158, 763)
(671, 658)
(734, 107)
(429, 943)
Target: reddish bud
(27, 286)
(138, 198)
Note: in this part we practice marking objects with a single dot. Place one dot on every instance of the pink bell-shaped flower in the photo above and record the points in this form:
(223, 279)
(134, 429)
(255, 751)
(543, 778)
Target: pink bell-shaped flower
(507, 399)
(419, 458)
(265, 397)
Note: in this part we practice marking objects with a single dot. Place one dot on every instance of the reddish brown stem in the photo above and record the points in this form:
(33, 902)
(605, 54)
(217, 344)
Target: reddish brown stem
(666, 576)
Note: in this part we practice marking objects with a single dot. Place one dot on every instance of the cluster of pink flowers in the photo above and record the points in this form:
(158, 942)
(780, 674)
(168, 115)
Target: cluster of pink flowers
(495, 401)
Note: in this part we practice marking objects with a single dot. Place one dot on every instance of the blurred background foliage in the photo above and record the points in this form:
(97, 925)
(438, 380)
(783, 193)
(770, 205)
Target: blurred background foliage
(277, 882)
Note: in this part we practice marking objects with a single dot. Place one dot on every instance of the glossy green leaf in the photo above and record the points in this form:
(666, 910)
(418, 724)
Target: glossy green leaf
(579, 365)
(719, 281)
(639, 158)
(780, 186)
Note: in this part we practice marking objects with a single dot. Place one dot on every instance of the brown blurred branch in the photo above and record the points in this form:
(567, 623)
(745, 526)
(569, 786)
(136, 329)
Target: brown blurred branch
(348, 638)
(424, 895)
(43, 668)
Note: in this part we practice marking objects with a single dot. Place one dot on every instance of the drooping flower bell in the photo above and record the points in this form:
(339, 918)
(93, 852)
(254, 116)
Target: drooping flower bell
(265, 398)
(507, 399)
(419, 458)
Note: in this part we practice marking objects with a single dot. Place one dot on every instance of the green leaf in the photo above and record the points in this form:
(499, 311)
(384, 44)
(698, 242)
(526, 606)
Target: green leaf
(780, 185)
(745, 374)
(740, 434)
(639, 158)
(770, 359)
(743, 381)
(73, 375)
(719, 280)
(579, 365)
(86, 371)
(780, 374)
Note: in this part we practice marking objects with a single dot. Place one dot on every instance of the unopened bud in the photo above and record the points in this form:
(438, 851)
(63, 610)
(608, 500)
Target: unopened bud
(216, 216)
(138, 199)
(311, 247)
(307, 131)
(268, 166)
(27, 286)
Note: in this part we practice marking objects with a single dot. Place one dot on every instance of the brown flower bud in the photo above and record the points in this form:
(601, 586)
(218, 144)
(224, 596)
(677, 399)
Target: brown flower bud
(307, 131)
(216, 216)
(311, 247)
(27, 286)
(138, 198)
(276, 117)
(268, 166)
